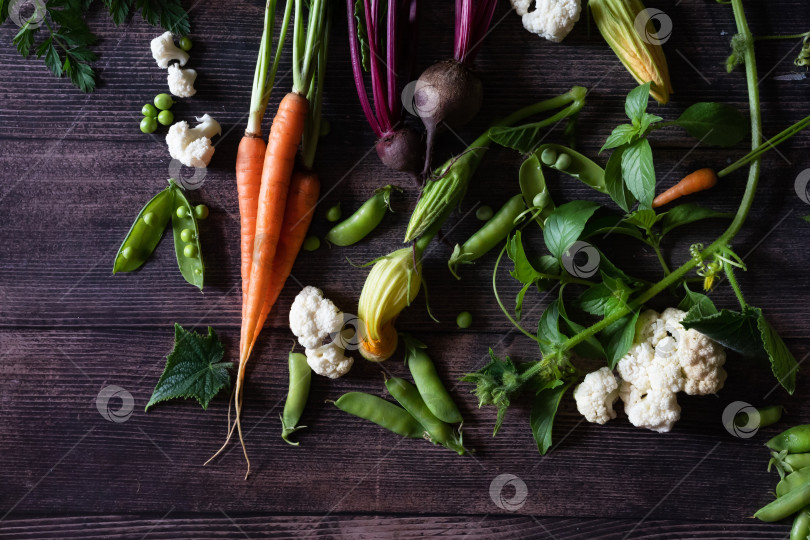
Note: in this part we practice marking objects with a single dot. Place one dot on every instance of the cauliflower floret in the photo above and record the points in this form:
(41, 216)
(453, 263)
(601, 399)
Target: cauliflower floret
(164, 51)
(596, 395)
(313, 318)
(192, 146)
(657, 409)
(329, 360)
(550, 19)
(181, 81)
(646, 370)
(702, 362)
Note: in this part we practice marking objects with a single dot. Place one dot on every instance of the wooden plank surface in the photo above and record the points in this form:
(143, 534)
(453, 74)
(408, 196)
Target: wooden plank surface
(74, 170)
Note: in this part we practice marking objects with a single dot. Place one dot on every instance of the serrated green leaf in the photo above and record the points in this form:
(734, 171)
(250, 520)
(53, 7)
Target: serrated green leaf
(687, 213)
(119, 9)
(620, 135)
(81, 75)
(638, 172)
(715, 124)
(734, 330)
(636, 103)
(544, 409)
(783, 364)
(696, 304)
(193, 369)
(565, 225)
(24, 40)
(53, 61)
(168, 14)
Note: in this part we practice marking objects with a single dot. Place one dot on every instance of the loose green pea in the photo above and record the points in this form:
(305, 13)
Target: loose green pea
(324, 128)
(427, 380)
(143, 238)
(334, 213)
(311, 243)
(548, 156)
(182, 212)
(165, 118)
(128, 252)
(150, 218)
(148, 124)
(164, 102)
(382, 412)
(186, 235)
(363, 221)
(149, 110)
(297, 394)
(190, 251)
(201, 211)
(464, 319)
(185, 43)
(484, 213)
(189, 254)
(563, 162)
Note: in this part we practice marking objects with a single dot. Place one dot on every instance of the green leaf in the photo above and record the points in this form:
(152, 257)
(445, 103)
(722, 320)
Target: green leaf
(614, 182)
(733, 330)
(169, 14)
(604, 298)
(783, 364)
(81, 75)
(362, 34)
(590, 347)
(494, 385)
(715, 124)
(519, 300)
(119, 9)
(52, 60)
(620, 338)
(638, 171)
(24, 40)
(621, 134)
(688, 213)
(544, 409)
(636, 103)
(548, 329)
(648, 120)
(697, 305)
(193, 369)
(523, 271)
(644, 218)
(806, 218)
(565, 224)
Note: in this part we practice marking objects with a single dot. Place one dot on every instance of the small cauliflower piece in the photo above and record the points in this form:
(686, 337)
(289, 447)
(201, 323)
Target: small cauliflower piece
(702, 361)
(596, 395)
(329, 360)
(164, 51)
(645, 370)
(192, 146)
(313, 318)
(181, 81)
(550, 19)
(657, 409)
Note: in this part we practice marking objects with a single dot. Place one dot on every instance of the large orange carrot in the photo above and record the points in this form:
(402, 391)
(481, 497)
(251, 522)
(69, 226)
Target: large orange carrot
(249, 165)
(699, 180)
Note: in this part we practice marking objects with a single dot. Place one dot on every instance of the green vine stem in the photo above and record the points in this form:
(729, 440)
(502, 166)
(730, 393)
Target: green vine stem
(732, 280)
(767, 145)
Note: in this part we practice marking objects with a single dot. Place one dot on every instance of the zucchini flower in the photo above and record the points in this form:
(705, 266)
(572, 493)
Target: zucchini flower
(390, 287)
(628, 28)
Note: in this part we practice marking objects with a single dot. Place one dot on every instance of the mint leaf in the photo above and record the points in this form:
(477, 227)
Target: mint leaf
(544, 409)
(565, 224)
(648, 120)
(621, 134)
(636, 103)
(620, 337)
(687, 213)
(193, 369)
(638, 172)
(783, 364)
(716, 124)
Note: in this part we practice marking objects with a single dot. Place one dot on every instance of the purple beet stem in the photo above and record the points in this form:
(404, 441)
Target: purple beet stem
(472, 23)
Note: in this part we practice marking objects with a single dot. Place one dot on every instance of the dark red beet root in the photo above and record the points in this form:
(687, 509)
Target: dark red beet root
(402, 150)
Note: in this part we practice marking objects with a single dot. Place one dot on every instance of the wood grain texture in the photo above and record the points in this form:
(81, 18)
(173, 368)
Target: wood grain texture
(75, 170)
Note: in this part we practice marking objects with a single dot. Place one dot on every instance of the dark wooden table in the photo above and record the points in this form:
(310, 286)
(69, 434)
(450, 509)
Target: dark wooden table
(75, 169)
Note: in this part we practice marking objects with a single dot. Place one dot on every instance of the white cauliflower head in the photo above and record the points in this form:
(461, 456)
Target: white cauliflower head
(164, 51)
(596, 395)
(313, 318)
(329, 360)
(550, 19)
(657, 409)
(192, 146)
(181, 81)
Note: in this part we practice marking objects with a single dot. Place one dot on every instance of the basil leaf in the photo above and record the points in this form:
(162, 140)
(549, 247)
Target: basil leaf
(548, 329)
(733, 330)
(638, 171)
(620, 338)
(687, 213)
(615, 183)
(783, 364)
(565, 224)
(544, 409)
(648, 120)
(716, 124)
(621, 134)
(519, 300)
(524, 272)
(636, 103)
(644, 218)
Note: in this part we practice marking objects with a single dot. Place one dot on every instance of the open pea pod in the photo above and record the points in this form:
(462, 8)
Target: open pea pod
(186, 238)
(572, 163)
(145, 233)
(534, 191)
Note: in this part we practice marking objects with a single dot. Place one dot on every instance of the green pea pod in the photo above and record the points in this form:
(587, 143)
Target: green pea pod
(790, 503)
(795, 440)
(381, 412)
(189, 252)
(297, 393)
(533, 188)
(364, 220)
(487, 237)
(578, 166)
(145, 233)
(801, 525)
(767, 416)
(439, 432)
(427, 380)
(793, 481)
